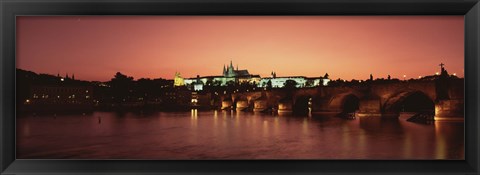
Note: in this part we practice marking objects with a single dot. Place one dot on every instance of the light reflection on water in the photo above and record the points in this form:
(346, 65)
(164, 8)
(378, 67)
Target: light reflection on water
(233, 135)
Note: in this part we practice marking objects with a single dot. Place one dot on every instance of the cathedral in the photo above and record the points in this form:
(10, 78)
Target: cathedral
(230, 72)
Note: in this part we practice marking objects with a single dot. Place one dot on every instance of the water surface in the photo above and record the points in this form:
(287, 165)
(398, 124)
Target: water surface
(232, 135)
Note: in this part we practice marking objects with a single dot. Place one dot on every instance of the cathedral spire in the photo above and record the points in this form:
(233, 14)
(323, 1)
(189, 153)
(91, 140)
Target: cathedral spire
(231, 64)
(224, 70)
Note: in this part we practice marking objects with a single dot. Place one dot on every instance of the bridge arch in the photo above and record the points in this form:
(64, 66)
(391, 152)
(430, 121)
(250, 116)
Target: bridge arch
(409, 101)
(345, 102)
(350, 103)
(302, 105)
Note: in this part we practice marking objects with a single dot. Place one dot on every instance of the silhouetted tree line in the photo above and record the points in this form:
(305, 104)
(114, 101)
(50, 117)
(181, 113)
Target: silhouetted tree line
(123, 88)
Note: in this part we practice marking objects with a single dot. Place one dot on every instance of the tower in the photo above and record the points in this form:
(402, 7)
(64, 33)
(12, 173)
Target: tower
(230, 70)
(178, 80)
(224, 71)
(274, 74)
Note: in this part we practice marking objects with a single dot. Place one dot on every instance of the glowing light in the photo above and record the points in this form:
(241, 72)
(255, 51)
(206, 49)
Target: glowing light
(454, 74)
(419, 76)
(436, 73)
(61, 79)
(28, 101)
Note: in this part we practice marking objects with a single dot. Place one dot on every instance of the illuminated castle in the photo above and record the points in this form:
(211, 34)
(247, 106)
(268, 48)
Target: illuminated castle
(230, 75)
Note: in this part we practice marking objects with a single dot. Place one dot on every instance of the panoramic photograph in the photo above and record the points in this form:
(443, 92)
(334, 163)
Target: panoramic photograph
(240, 87)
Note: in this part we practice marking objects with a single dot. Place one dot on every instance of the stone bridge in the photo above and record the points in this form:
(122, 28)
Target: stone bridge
(385, 99)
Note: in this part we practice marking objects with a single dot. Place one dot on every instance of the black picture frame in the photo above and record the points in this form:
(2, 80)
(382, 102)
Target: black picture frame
(9, 9)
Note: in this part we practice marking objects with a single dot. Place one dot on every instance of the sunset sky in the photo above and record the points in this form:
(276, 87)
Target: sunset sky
(347, 47)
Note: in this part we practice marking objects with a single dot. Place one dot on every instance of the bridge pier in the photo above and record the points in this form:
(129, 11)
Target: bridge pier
(242, 105)
(227, 104)
(447, 110)
(260, 105)
(285, 107)
(369, 107)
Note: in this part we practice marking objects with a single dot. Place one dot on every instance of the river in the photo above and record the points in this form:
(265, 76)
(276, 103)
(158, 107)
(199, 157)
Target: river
(233, 135)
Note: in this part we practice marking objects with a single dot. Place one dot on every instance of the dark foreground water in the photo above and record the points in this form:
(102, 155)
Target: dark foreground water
(232, 135)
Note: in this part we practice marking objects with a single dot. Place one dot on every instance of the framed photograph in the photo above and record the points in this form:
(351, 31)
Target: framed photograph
(202, 87)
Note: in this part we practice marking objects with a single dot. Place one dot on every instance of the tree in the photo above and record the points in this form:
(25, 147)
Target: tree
(290, 84)
(120, 77)
(269, 84)
(309, 83)
(122, 86)
(209, 82)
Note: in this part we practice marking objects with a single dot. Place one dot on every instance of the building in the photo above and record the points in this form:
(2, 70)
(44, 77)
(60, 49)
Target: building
(59, 98)
(230, 75)
(198, 84)
(176, 98)
(178, 80)
(301, 81)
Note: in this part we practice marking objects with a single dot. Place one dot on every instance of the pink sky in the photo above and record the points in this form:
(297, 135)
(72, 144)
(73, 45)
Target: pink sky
(347, 47)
